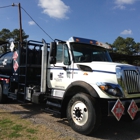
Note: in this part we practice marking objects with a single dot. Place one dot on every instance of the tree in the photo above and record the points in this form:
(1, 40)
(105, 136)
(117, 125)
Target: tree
(136, 50)
(125, 46)
(16, 36)
(7, 35)
(127, 49)
(130, 45)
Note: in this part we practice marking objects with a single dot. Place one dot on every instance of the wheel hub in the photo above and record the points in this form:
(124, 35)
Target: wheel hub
(79, 113)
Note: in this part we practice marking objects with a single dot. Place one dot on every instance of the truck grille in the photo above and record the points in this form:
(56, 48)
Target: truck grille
(132, 81)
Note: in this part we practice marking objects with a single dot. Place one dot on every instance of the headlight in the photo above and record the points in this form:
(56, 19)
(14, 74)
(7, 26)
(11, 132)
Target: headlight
(111, 89)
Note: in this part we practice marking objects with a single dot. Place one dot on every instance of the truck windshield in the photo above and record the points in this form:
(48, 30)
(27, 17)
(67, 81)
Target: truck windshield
(89, 53)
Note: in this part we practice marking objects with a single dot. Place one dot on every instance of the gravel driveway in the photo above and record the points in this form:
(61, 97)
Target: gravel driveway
(109, 130)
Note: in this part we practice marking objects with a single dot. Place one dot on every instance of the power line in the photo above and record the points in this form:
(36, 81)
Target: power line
(37, 24)
(6, 6)
(31, 18)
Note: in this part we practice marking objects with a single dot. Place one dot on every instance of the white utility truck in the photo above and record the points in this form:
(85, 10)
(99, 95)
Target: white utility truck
(76, 79)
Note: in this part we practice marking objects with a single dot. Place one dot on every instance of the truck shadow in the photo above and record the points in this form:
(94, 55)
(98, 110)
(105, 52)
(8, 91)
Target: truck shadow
(113, 130)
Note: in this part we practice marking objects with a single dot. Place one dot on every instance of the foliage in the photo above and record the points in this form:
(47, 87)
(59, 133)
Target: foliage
(7, 35)
(126, 46)
(16, 36)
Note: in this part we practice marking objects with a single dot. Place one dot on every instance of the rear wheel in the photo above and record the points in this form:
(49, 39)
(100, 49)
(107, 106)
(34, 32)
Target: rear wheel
(2, 96)
(82, 114)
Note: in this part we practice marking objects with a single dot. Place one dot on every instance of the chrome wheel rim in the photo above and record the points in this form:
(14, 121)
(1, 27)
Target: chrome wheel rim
(79, 113)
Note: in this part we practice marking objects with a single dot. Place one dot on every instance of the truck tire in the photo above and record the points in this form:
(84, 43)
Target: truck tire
(2, 97)
(82, 114)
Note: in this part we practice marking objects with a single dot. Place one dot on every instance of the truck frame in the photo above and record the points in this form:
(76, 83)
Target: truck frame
(75, 79)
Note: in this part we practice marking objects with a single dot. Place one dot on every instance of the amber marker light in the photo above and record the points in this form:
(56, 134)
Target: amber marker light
(85, 73)
(91, 42)
(97, 43)
(77, 40)
(103, 87)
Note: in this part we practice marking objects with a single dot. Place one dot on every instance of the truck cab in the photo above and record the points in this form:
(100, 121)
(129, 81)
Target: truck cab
(89, 61)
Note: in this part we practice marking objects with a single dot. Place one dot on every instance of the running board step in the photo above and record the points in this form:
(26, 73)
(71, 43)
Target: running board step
(12, 96)
(53, 105)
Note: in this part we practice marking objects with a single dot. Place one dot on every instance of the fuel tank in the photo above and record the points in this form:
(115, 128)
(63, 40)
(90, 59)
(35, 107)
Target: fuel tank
(6, 63)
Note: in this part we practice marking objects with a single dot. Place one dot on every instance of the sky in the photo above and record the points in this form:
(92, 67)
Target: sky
(102, 20)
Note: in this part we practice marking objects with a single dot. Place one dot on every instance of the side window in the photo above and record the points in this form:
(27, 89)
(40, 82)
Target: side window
(62, 54)
(59, 55)
(77, 56)
(66, 56)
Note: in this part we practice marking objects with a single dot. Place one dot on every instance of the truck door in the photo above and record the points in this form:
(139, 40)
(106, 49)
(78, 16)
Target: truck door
(60, 73)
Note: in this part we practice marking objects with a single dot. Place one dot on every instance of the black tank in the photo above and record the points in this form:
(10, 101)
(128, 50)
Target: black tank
(6, 63)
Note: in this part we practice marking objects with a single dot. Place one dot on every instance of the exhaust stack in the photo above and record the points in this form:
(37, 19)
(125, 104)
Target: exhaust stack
(43, 67)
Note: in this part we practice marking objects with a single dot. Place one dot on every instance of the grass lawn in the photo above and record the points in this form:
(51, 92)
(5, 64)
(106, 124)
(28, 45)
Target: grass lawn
(12, 127)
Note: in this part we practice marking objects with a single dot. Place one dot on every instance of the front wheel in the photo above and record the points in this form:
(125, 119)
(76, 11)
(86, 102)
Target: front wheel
(83, 114)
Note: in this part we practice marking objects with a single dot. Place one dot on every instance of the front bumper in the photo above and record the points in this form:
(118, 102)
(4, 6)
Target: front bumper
(126, 104)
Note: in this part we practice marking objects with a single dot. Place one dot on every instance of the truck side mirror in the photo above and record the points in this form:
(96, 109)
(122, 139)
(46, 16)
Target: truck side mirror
(53, 48)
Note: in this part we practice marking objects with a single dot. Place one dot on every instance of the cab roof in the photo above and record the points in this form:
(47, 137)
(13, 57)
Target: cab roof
(89, 41)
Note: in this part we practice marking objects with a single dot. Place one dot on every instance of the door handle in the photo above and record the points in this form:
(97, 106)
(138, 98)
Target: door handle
(51, 76)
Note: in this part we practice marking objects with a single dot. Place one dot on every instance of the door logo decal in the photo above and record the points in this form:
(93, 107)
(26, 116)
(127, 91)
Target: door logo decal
(61, 75)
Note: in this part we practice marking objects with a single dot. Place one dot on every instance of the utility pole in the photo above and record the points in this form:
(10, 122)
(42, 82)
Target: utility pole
(20, 23)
